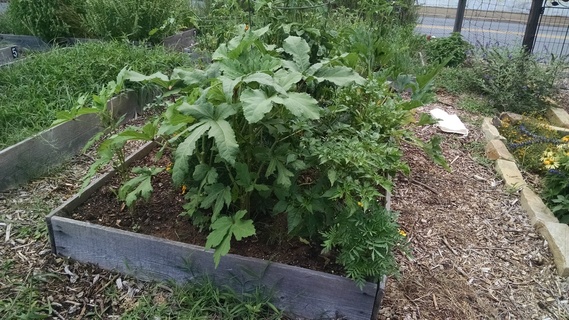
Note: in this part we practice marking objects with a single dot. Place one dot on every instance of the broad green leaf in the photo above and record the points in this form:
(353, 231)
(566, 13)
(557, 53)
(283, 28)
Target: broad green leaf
(195, 76)
(299, 50)
(340, 75)
(301, 105)
(158, 78)
(185, 150)
(242, 228)
(224, 136)
(265, 79)
(286, 78)
(199, 111)
(200, 171)
(283, 175)
(294, 219)
(139, 186)
(242, 174)
(222, 249)
(217, 196)
(332, 176)
(221, 227)
(255, 104)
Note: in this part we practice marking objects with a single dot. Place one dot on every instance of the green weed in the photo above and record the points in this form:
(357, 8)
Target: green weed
(203, 300)
(474, 104)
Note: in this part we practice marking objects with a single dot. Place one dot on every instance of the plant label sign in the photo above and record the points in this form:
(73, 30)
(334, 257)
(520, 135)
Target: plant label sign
(15, 52)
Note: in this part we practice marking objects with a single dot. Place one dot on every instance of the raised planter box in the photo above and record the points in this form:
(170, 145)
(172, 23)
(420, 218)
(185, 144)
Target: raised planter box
(300, 292)
(32, 157)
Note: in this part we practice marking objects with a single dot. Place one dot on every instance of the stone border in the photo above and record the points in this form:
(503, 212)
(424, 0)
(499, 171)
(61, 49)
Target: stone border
(556, 233)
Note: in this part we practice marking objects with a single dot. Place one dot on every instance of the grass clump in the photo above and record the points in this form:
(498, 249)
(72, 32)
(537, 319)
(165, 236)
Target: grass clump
(203, 300)
(32, 92)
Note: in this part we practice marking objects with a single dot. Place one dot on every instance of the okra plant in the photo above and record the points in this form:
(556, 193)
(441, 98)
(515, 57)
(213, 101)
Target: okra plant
(265, 131)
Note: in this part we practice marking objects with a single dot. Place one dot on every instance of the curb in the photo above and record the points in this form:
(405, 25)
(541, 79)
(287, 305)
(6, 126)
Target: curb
(548, 226)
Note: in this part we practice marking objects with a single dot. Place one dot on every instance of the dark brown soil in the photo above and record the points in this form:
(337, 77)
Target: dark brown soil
(162, 216)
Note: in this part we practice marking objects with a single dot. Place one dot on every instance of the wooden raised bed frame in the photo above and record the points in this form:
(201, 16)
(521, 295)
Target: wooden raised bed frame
(300, 292)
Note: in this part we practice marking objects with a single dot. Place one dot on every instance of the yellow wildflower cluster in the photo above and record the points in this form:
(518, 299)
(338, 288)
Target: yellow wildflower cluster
(549, 159)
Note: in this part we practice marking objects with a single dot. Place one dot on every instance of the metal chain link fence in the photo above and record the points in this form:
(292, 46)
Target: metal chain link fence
(499, 22)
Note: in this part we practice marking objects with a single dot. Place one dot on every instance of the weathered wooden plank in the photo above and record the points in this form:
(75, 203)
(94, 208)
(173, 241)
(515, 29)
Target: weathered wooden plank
(34, 156)
(28, 42)
(301, 292)
(181, 41)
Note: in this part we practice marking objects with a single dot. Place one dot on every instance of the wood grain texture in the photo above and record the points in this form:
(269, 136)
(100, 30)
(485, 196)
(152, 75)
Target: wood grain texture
(34, 156)
(304, 293)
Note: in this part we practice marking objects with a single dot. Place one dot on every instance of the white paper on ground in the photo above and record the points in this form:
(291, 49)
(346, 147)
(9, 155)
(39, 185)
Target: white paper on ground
(449, 122)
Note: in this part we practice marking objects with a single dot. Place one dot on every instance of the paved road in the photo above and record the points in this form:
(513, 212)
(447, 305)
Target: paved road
(550, 39)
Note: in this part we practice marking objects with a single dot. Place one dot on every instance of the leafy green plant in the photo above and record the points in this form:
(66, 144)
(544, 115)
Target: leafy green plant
(454, 48)
(514, 80)
(265, 131)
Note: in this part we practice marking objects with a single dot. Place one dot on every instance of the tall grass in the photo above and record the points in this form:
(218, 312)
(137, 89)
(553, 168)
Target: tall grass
(136, 20)
(31, 92)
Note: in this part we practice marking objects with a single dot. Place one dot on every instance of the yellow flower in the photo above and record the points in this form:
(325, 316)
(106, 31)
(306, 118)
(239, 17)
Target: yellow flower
(360, 204)
(169, 167)
(402, 232)
(246, 27)
(550, 163)
(565, 139)
(184, 189)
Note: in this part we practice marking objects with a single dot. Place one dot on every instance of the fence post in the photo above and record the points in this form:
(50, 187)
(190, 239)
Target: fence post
(532, 24)
(459, 16)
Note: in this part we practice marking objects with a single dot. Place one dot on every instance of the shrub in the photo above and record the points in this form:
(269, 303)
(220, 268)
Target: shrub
(454, 48)
(514, 80)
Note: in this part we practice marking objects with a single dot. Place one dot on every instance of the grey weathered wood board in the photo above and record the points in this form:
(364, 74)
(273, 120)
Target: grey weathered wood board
(27, 42)
(302, 292)
(305, 293)
(181, 41)
(32, 157)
